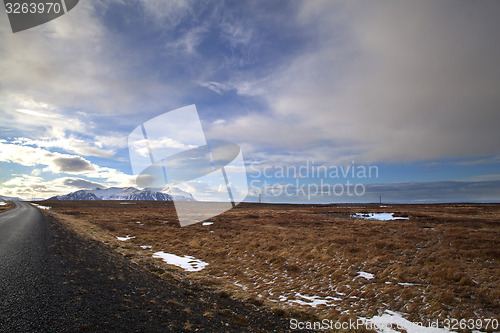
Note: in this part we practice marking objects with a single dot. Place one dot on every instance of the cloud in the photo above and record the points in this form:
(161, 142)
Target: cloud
(188, 43)
(61, 163)
(166, 14)
(70, 144)
(24, 180)
(414, 192)
(55, 63)
(382, 85)
(238, 32)
(81, 183)
(28, 115)
(449, 191)
(117, 140)
(74, 164)
(52, 73)
(325, 81)
(206, 190)
(487, 177)
(55, 162)
(60, 64)
(216, 87)
(28, 187)
(35, 113)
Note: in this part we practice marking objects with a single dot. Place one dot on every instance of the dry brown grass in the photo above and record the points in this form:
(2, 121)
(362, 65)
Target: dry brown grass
(442, 262)
(5, 207)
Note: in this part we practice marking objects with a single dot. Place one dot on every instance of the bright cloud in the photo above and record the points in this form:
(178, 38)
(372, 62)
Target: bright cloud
(70, 144)
(55, 162)
(59, 163)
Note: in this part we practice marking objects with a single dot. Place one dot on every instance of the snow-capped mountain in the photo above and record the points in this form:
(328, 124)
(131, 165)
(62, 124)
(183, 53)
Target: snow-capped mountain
(6, 198)
(78, 195)
(118, 193)
(127, 193)
(178, 194)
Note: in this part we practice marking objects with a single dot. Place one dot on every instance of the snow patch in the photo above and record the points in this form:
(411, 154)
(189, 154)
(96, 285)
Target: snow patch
(378, 216)
(188, 263)
(365, 275)
(207, 223)
(41, 207)
(146, 247)
(390, 320)
(240, 285)
(126, 238)
(313, 301)
(2, 203)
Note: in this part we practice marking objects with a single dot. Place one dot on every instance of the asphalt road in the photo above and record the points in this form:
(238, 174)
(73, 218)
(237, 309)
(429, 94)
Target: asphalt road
(53, 280)
(26, 279)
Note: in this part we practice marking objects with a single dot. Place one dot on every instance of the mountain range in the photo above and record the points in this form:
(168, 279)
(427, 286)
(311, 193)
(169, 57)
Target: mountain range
(128, 193)
(6, 198)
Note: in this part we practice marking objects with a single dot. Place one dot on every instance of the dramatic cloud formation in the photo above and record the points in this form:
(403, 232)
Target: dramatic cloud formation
(387, 81)
(409, 86)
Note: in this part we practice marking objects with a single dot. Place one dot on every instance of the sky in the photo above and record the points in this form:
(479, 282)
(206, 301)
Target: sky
(408, 90)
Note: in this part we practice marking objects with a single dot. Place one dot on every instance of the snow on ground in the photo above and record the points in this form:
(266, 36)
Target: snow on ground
(313, 301)
(241, 286)
(126, 238)
(188, 263)
(2, 203)
(390, 320)
(365, 275)
(146, 247)
(207, 223)
(41, 207)
(378, 216)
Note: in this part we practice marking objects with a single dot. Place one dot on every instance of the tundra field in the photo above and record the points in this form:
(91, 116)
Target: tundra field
(317, 261)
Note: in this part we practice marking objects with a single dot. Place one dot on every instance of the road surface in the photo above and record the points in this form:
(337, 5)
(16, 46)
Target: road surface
(52, 280)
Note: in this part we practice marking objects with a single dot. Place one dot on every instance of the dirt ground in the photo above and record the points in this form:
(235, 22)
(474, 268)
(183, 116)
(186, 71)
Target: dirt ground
(316, 261)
